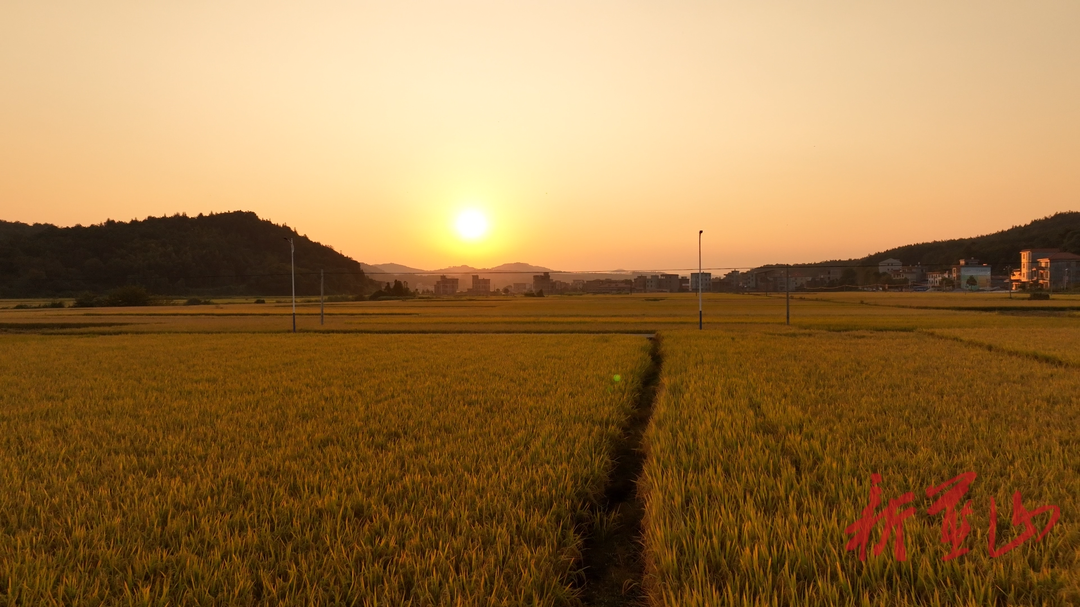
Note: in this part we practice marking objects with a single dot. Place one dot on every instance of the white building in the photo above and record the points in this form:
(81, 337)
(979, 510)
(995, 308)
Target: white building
(704, 277)
(890, 265)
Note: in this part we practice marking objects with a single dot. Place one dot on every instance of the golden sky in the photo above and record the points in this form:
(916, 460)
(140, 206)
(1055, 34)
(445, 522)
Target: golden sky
(592, 134)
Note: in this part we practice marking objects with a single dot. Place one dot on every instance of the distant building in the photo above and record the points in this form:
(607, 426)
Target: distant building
(662, 283)
(890, 265)
(1057, 271)
(734, 281)
(543, 282)
(912, 274)
(971, 275)
(480, 286)
(829, 273)
(446, 286)
(1034, 273)
(705, 280)
(1029, 264)
(520, 287)
(608, 285)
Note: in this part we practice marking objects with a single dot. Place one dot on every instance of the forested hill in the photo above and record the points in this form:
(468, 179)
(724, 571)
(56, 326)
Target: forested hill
(1000, 249)
(218, 254)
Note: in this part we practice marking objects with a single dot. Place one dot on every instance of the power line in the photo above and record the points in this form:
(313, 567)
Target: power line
(761, 268)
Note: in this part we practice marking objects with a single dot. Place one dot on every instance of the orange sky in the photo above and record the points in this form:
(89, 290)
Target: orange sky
(594, 134)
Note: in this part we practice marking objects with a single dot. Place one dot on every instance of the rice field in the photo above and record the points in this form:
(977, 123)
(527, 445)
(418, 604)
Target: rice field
(762, 447)
(1050, 341)
(639, 313)
(304, 470)
(457, 451)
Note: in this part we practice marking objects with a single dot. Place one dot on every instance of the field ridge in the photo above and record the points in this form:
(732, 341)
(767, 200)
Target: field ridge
(612, 555)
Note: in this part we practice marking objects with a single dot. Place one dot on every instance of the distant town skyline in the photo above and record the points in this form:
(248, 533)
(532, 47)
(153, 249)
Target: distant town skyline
(582, 136)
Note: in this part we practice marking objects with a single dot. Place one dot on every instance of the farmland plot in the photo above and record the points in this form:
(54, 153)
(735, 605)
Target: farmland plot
(309, 469)
(1055, 341)
(762, 448)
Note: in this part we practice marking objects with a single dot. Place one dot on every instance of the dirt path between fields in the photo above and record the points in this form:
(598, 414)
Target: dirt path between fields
(612, 555)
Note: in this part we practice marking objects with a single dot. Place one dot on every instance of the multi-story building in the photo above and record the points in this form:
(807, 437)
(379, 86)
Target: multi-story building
(543, 282)
(912, 274)
(971, 275)
(934, 279)
(1029, 266)
(890, 265)
(446, 286)
(1057, 271)
(702, 281)
(480, 286)
(663, 283)
(1044, 269)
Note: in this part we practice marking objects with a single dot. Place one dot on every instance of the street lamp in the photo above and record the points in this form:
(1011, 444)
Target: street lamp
(292, 262)
(700, 321)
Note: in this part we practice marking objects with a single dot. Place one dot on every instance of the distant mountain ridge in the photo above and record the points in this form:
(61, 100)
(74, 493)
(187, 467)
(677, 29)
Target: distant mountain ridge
(505, 268)
(397, 268)
(232, 253)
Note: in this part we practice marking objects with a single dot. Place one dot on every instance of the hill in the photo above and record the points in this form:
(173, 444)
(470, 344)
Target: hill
(1000, 249)
(397, 268)
(233, 253)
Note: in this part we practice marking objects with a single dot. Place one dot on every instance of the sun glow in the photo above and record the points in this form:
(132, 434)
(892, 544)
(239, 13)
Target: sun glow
(471, 224)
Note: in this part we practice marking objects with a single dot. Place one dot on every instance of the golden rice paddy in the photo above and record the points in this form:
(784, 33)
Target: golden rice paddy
(456, 451)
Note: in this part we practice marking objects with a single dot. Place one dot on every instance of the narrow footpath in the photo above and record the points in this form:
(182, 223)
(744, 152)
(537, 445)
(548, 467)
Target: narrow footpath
(612, 559)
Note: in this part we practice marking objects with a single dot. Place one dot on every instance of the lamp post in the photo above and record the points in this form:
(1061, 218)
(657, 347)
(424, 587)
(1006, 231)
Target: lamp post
(292, 263)
(700, 317)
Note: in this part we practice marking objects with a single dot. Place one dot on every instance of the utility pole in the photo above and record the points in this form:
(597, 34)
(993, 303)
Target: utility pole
(292, 262)
(787, 293)
(321, 297)
(700, 317)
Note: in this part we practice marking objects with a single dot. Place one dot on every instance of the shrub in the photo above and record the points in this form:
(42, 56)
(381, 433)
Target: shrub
(260, 301)
(195, 301)
(1038, 295)
(130, 295)
(86, 299)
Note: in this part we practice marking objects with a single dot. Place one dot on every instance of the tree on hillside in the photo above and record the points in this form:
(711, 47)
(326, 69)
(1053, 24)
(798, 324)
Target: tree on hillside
(226, 253)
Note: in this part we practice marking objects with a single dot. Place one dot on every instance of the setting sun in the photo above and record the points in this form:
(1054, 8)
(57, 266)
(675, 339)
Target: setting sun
(471, 224)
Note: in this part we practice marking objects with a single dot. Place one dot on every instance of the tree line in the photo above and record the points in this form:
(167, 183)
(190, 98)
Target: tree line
(234, 253)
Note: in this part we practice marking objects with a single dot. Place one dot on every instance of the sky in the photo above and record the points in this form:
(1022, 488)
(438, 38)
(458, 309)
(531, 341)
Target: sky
(589, 135)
